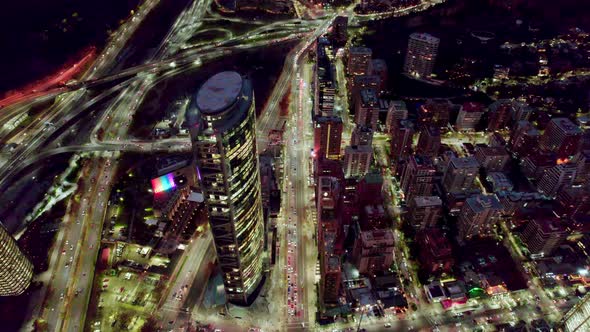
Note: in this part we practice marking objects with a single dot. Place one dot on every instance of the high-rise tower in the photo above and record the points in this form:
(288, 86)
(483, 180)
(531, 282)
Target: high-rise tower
(16, 271)
(222, 124)
(422, 51)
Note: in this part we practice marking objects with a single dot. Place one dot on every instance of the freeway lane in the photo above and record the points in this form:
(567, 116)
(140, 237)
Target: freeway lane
(200, 251)
(302, 249)
(270, 119)
(117, 124)
(70, 314)
(100, 67)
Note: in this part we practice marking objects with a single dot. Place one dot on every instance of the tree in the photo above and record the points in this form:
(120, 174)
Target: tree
(150, 325)
(124, 319)
(40, 325)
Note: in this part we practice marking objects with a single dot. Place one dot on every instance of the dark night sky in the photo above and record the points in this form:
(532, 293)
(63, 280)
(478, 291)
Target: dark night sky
(33, 40)
(34, 43)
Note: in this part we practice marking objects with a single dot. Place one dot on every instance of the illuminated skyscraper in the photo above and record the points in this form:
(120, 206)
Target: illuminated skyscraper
(422, 51)
(418, 177)
(578, 318)
(340, 30)
(357, 160)
(402, 134)
(429, 141)
(561, 136)
(367, 109)
(478, 216)
(222, 126)
(460, 174)
(16, 271)
(359, 60)
(327, 138)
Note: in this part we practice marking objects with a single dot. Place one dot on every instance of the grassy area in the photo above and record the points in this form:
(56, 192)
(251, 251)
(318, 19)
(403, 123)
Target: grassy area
(237, 28)
(207, 37)
(73, 175)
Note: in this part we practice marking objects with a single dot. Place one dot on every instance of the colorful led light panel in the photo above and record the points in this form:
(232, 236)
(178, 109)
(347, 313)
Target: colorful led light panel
(163, 183)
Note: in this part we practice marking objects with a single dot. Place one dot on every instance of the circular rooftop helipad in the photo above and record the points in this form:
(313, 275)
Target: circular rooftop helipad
(219, 92)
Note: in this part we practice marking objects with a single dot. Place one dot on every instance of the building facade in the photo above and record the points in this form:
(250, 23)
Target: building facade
(425, 211)
(469, 116)
(421, 55)
(478, 216)
(328, 137)
(418, 177)
(562, 137)
(542, 236)
(359, 61)
(499, 114)
(361, 135)
(578, 318)
(429, 141)
(373, 251)
(357, 160)
(222, 124)
(460, 174)
(556, 178)
(435, 113)
(367, 109)
(401, 140)
(16, 271)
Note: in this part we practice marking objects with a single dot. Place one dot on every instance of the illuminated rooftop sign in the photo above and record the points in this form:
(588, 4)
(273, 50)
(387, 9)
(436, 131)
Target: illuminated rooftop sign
(163, 183)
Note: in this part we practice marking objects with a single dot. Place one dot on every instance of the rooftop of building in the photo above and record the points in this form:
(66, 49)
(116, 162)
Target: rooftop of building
(366, 79)
(435, 241)
(224, 99)
(369, 96)
(566, 125)
(438, 102)
(549, 225)
(404, 123)
(373, 177)
(464, 162)
(480, 203)
(492, 150)
(219, 92)
(360, 51)
(358, 148)
(499, 180)
(425, 201)
(422, 161)
(516, 196)
(326, 119)
(530, 128)
(422, 36)
(455, 288)
(363, 129)
(379, 65)
(399, 105)
(333, 263)
(500, 103)
(472, 107)
(375, 210)
(377, 235)
(384, 104)
(542, 159)
(432, 131)
(436, 290)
